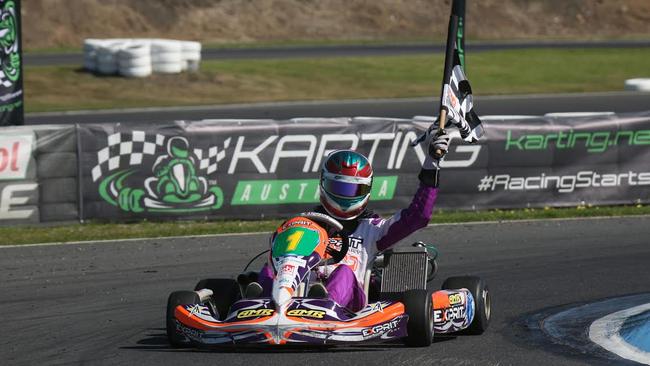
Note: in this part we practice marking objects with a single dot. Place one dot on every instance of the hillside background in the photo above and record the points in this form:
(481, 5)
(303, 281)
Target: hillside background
(65, 23)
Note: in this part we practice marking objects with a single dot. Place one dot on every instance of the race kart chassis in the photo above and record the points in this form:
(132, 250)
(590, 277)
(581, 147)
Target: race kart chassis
(403, 309)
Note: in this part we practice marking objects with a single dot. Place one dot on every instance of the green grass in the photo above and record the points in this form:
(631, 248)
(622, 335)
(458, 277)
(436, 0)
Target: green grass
(53, 88)
(98, 231)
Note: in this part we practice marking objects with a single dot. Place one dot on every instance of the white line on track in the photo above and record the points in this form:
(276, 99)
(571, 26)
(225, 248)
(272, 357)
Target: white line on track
(605, 333)
(264, 232)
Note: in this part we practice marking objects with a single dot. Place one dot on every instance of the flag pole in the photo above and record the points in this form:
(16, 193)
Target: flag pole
(457, 11)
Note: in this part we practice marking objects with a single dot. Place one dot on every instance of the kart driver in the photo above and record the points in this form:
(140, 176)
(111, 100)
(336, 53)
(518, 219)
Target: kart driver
(345, 184)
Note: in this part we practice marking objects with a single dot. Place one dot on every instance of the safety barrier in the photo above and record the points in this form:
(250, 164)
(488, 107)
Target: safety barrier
(250, 169)
(137, 58)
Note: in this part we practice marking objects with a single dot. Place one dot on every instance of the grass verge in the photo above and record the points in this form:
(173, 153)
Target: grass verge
(52, 88)
(97, 231)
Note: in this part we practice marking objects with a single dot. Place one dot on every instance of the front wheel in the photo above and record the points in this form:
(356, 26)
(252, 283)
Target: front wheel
(176, 298)
(225, 293)
(419, 309)
(481, 294)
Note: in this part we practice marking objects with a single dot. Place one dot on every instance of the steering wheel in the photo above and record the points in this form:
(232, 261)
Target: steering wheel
(333, 229)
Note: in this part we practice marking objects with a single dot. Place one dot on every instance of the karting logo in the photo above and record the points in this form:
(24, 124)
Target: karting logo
(174, 180)
(593, 142)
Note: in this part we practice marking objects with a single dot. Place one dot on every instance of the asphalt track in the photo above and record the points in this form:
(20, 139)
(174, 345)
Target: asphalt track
(104, 303)
(619, 102)
(76, 58)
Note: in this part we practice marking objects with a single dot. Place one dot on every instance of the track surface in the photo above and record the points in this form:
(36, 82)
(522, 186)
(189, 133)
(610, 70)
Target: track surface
(619, 102)
(104, 303)
(339, 51)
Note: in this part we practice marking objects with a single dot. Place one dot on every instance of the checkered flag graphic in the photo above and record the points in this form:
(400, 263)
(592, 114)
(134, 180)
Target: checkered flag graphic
(4, 81)
(209, 158)
(125, 149)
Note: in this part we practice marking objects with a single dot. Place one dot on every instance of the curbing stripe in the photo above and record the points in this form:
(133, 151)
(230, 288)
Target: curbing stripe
(605, 332)
(106, 241)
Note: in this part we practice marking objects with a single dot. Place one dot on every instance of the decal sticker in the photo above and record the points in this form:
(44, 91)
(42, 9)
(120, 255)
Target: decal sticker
(455, 299)
(304, 313)
(381, 328)
(253, 313)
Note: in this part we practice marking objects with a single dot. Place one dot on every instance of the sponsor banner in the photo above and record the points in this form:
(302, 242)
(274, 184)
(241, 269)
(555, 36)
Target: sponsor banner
(15, 154)
(237, 169)
(18, 202)
(11, 64)
(265, 168)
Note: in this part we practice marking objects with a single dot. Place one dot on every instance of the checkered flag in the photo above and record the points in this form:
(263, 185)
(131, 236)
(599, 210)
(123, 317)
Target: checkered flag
(209, 158)
(125, 149)
(457, 99)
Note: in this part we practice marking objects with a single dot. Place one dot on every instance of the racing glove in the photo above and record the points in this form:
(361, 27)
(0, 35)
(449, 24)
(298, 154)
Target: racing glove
(438, 148)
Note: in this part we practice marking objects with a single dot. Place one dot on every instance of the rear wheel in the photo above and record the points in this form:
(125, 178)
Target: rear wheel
(481, 294)
(176, 298)
(418, 307)
(225, 293)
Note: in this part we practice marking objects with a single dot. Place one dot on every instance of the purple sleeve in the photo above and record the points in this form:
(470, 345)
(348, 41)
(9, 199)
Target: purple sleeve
(411, 219)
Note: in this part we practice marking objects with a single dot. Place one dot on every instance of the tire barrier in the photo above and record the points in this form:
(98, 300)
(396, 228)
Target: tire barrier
(107, 59)
(90, 48)
(57, 165)
(166, 56)
(191, 55)
(58, 190)
(638, 84)
(268, 168)
(134, 60)
(138, 58)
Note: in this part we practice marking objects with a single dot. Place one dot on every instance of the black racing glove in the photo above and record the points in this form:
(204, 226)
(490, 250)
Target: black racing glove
(438, 148)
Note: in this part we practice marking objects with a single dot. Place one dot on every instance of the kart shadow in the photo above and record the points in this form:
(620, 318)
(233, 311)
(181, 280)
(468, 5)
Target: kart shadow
(156, 341)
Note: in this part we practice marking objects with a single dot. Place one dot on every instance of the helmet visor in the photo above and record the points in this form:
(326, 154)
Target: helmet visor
(345, 189)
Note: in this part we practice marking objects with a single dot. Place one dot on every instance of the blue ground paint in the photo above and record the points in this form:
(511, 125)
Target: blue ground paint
(636, 331)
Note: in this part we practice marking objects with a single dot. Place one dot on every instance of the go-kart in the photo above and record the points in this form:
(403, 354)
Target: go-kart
(218, 312)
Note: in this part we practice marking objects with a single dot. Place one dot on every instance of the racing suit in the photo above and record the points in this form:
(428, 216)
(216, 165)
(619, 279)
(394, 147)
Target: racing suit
(368, 234)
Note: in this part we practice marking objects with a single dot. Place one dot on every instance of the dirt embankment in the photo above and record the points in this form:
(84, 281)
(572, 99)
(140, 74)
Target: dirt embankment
(54, 23)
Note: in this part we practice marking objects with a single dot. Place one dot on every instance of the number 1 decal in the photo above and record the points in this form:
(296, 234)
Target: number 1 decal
(294, 239)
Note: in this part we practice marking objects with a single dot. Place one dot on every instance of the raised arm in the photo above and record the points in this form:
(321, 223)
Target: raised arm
(418, 213)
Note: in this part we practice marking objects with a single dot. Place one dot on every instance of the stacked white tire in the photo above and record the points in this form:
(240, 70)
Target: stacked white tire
(107, 58)
(638, 84)
(134, 60)
(191, 55)
(90, 53)
(166, 56)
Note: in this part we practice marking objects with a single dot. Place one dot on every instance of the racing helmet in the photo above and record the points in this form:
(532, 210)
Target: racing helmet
(345, 182)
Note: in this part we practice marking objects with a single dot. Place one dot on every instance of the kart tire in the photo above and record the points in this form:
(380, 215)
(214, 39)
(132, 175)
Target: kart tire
(225, 292)
(418, 306)
(177, 298)
(481, 294)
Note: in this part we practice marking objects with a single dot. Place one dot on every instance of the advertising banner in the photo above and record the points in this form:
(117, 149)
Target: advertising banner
(18, 187)
(242, 169)
(567, 161)
(11, 66)
(265, 168)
